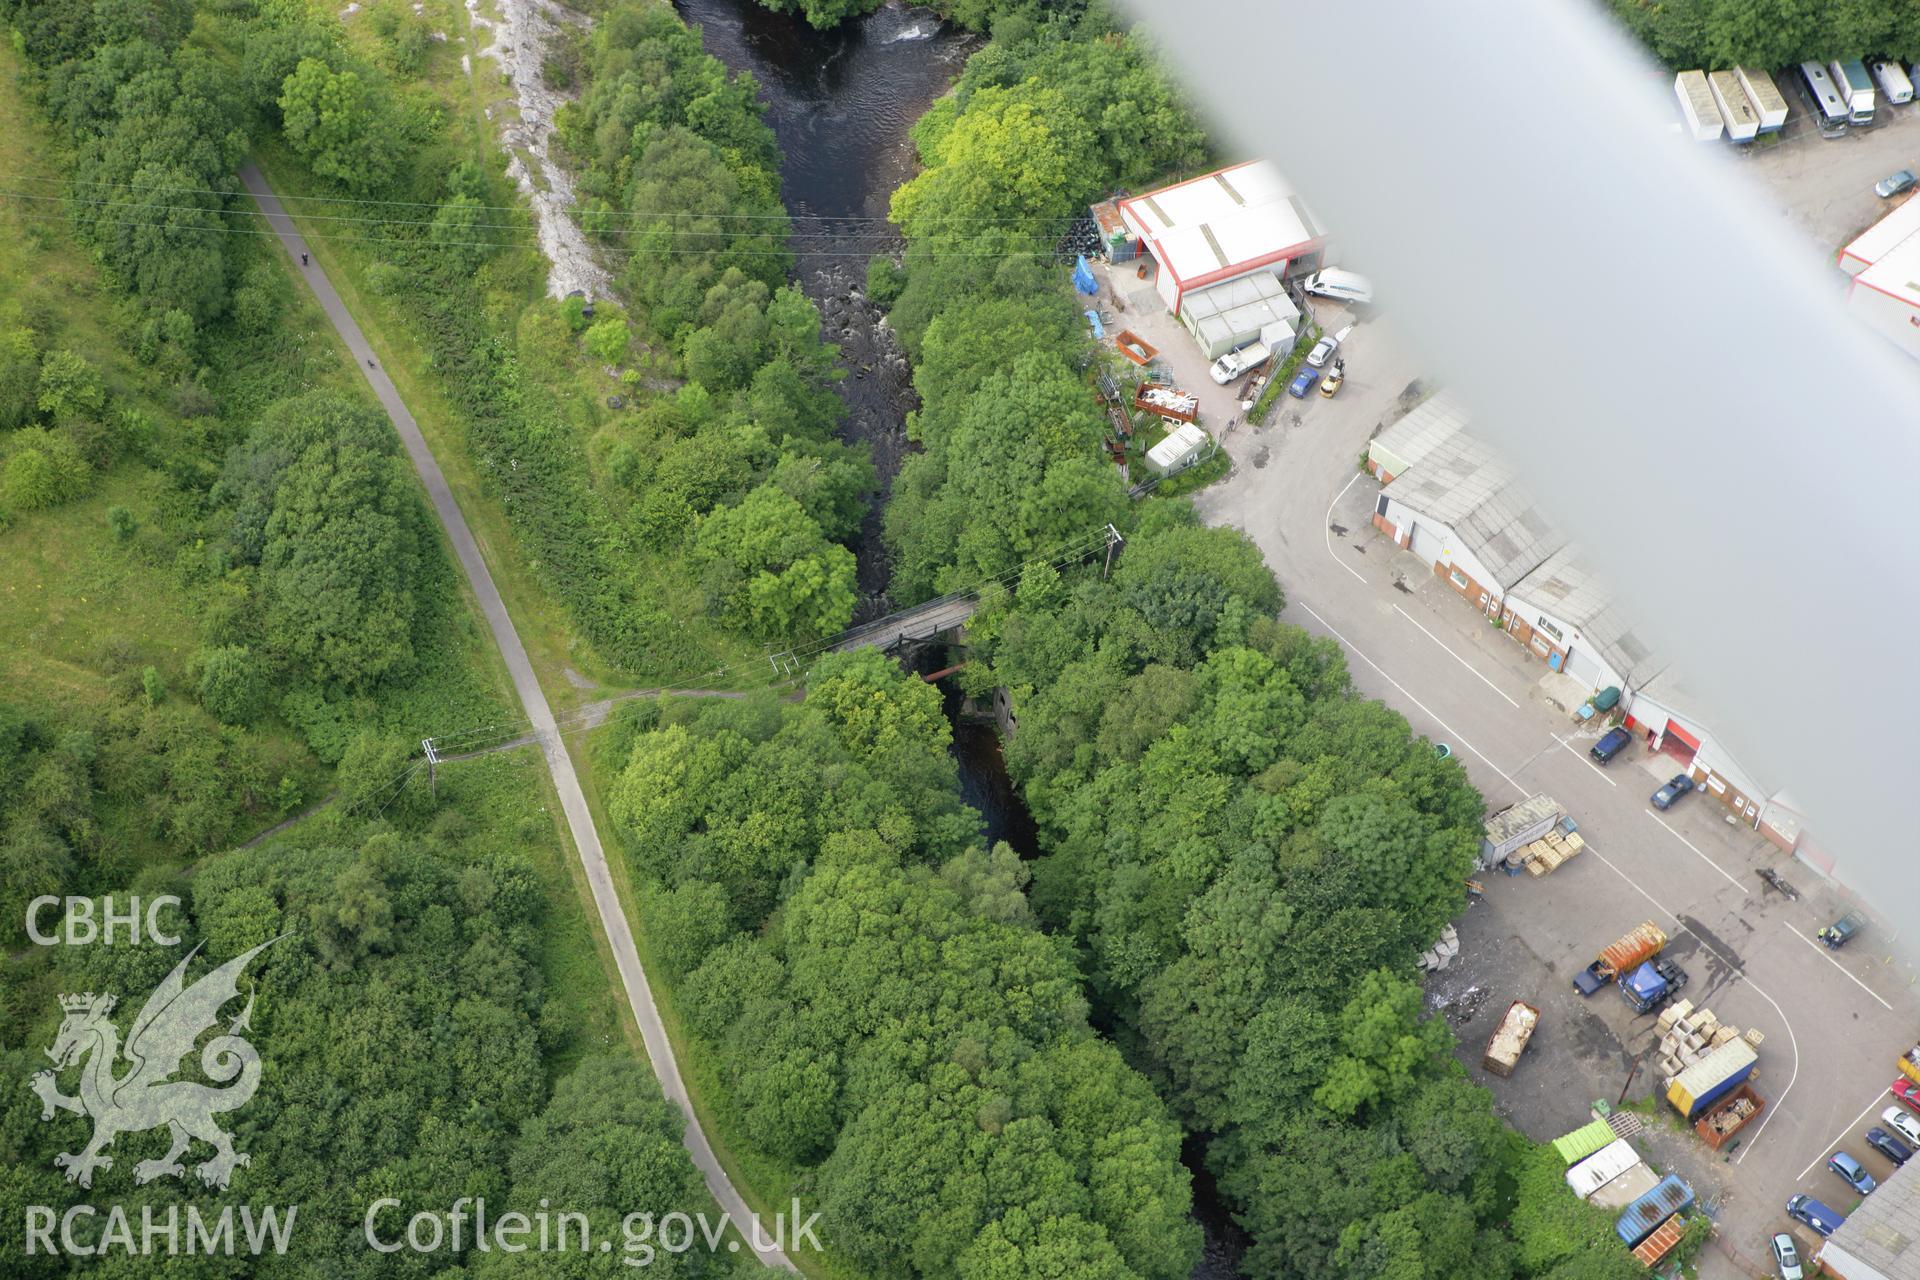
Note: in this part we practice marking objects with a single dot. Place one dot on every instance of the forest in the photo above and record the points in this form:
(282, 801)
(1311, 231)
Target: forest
(1769, 34)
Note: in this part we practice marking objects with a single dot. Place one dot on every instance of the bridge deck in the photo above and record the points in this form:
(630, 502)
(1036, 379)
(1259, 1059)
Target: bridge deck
(922, 622)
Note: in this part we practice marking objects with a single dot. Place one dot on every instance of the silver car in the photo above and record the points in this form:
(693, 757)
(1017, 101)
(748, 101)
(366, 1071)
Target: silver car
(1323, 350)
(1894, 183)
(1786, 1258)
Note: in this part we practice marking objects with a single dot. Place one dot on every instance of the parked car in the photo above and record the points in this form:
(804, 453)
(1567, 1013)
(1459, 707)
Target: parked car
(1905, 1090)
(1889, 1146)
(1335, 379)
(1823, 1218)
(1841, 931)
(1677, 786)
(1323, 350)
(1786, 1258)
(1303, 382)
(1852, 1172)
(1894, 183)
(1611, 744)
(1904, 1123)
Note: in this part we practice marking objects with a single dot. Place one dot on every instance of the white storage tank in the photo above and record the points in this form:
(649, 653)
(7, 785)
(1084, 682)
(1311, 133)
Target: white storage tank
(1738, 114)
(1765, 96)
(1696, 105)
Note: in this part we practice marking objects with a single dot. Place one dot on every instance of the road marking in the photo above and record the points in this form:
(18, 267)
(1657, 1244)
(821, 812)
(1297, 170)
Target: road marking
(1840, 1136)
(1679, 929)
(1793, 1040)
(1703, 857)
(1327, 536)
(1410, 698)
(1456, 657)
(1824, 954)
(1588, 761)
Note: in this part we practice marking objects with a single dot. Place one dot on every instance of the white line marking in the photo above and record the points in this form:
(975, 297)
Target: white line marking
(1327, 536)
(1588, 761)
(1636, 885)
(1842, 1134)
(1410, 698)
(1703, 857)
(1824, 954)
(1456, 657)
(1792, 1039)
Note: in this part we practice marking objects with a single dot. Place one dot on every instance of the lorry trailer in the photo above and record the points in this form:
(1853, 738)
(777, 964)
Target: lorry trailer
(1736, 111)
(1696, 105)
(1765, 96)
(1509, 1039)
(1645, 942)
(1669, 1197)
(1694, 1091)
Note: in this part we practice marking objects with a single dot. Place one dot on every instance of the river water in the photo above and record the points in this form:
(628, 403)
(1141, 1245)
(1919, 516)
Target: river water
(840, 103)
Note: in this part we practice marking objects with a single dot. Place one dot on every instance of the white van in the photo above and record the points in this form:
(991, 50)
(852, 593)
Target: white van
(1347, 286)
(1893, 81)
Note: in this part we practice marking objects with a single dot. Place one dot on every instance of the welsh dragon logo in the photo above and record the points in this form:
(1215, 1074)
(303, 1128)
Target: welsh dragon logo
(145, 1097)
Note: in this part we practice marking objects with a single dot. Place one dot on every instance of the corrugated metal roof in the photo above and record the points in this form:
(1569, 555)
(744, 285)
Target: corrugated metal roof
(1884, 1232)
(1463, 484)
(1436, 419)
(1566, 585)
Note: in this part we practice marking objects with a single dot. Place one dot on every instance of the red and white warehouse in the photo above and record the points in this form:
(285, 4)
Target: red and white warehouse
(1885, 263)
(1222, 226)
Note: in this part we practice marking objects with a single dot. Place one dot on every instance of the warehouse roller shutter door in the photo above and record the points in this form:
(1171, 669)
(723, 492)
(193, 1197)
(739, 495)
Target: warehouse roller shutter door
(1584, 667)
(1426, 545)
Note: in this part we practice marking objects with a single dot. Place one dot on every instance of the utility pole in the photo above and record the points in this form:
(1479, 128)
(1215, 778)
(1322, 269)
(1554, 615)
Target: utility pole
(1114, 542)
(433, 768)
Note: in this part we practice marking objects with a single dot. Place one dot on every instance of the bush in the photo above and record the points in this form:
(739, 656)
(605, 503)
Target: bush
(232, 688)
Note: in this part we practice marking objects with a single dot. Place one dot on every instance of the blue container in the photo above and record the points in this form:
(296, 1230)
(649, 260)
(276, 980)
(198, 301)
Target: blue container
(1639, 1219)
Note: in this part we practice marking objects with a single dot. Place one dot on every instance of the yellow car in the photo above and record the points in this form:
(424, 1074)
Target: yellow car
(1331, 383)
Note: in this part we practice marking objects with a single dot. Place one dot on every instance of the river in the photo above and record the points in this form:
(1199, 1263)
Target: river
(840, 103)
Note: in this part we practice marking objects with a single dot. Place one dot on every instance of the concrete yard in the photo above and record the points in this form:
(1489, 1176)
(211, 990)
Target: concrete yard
(1825, 186)
(1833, 1022)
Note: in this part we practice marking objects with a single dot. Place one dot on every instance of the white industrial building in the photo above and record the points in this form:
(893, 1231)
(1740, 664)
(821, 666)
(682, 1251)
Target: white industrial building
(1234, 222)
(1451, 501)
(1885, 264)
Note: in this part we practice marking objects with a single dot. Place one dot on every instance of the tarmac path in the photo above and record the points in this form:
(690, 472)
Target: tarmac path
(566, 782)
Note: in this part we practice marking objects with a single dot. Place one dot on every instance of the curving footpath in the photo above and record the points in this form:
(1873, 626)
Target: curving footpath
(573, 801)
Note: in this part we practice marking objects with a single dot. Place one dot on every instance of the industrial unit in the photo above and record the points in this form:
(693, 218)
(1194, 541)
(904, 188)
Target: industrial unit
(1884, 263)
(1450, 500)
(1877, 1241)
(1234, 222)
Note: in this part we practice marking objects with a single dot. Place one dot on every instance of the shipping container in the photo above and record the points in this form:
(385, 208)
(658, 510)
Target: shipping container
(1509, 1039)
(1669, 1196)
(1736, 112)
(1584, 1141)
(1696, 105)
(1765, 96)
(1625, 1189)
(1661, 1242)
(1738, 1110)
(1602, 1167)
(1712, 1078)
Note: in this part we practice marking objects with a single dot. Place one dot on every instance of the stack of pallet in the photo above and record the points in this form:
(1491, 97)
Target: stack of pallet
(1688, 1034)
(1545, 855)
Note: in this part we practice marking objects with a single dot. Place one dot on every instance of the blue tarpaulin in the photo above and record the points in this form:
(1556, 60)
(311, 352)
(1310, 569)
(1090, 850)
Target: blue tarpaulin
(1083, 277)
(1093, 318)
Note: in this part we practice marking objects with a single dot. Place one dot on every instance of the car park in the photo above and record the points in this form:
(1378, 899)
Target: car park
(1903, 1123)
(1677, 786)
(1611, 744)
(1302, 382)
(1823, 1218)
(1335, 379)
(1786, 1257)
(1889, 1146)
(1852, 1172)
(1895, 183)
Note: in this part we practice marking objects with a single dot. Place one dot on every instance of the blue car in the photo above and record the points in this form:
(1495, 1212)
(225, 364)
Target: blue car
(1888, 1145)
(1303, 382)
(1852, 1171)
(1823, 1218)
(1678, 786)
